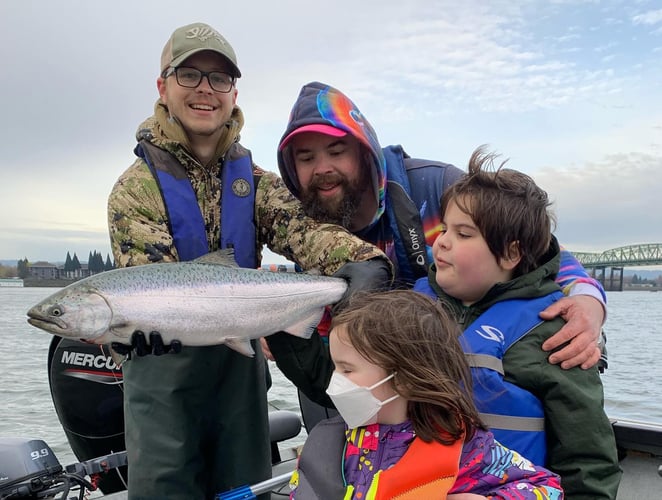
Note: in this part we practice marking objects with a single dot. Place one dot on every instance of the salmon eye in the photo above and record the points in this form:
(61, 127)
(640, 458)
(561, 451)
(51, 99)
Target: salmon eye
(56, 311)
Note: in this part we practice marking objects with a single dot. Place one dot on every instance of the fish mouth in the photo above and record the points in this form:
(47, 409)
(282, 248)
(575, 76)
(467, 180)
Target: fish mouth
(49, 325)
(52, 327)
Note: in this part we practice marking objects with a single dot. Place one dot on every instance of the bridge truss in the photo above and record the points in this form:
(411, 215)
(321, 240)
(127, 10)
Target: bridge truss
(646, 254)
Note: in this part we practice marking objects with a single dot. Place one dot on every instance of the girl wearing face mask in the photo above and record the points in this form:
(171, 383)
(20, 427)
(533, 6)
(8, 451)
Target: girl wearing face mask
(408, 428)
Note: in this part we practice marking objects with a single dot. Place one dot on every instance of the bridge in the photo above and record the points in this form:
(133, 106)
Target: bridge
(616, 259)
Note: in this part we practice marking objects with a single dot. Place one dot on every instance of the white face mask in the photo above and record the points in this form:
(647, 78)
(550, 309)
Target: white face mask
(356, 405)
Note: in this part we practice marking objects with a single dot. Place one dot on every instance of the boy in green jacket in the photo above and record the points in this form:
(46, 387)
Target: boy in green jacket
(494, 266)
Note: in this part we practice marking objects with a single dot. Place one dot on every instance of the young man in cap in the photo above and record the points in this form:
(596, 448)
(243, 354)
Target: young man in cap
(196, 423)
(330, 158)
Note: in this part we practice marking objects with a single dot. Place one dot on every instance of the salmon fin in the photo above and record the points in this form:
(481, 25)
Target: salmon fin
(240, 344)
(306, 326)
(223, 257)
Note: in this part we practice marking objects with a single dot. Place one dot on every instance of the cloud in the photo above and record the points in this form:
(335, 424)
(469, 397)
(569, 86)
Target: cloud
(498, 67)
(562, 85)
(648, 18)
(608, 200)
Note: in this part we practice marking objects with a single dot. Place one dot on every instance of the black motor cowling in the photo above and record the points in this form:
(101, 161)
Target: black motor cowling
(86, 387)
(28, 468)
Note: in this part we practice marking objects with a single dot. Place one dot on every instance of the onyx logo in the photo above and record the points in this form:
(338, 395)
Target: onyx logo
(416, 246)
(414, 239)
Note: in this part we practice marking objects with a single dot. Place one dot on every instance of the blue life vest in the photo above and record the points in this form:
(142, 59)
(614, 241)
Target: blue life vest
(184, 216)
(413, 195)
(514, 415)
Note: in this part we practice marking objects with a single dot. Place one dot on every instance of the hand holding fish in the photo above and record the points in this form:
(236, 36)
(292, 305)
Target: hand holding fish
(374, 274)
(367, 275)
(139, 345)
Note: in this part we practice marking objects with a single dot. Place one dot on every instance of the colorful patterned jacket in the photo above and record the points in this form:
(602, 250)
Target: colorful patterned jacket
(484, 467)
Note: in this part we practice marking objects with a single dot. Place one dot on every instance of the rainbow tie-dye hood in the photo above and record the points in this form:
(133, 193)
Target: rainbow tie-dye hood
(322, 104)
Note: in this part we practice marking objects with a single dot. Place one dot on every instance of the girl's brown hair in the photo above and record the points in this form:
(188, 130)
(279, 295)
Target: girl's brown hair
(411, 335)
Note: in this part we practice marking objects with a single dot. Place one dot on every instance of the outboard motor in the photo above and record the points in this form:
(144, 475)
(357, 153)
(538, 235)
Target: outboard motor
(87, 391)
(27, 468)
(30, 470)
(86, 387)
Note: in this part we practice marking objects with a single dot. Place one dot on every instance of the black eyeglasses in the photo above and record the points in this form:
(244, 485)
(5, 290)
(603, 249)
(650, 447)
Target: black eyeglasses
(191, 78)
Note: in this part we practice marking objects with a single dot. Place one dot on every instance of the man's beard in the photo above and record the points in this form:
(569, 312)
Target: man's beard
(334, 211)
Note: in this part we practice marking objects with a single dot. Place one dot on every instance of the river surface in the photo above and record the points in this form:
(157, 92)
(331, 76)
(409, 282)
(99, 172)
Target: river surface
(633, 382)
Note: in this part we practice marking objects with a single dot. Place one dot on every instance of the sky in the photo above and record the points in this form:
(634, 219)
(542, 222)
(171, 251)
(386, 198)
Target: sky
(569, 91)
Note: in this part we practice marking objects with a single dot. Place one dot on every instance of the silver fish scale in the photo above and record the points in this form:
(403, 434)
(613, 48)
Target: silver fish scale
(192, 275)
(196, 303)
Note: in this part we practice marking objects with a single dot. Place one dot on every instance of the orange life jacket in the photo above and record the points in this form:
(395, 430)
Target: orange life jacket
(426, 471)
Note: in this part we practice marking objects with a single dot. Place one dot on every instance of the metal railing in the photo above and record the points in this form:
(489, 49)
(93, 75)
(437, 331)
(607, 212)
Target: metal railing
(645, 254)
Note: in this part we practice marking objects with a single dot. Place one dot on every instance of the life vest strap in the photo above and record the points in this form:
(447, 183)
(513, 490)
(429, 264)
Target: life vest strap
(511, 423)
(485, 361)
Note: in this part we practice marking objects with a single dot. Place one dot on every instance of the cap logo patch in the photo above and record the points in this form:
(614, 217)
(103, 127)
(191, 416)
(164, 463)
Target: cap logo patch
(240, 187)
(203, 34)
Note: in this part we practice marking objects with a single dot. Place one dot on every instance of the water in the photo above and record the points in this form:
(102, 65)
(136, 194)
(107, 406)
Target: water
(633, 382)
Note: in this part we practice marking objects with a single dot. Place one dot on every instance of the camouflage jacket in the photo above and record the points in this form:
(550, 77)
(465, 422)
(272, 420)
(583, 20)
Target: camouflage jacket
(138, 224)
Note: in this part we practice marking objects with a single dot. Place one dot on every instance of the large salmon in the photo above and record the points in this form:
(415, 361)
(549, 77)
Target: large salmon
(202, 302)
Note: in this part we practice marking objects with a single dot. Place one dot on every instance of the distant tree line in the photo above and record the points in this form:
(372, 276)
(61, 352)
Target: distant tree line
(640, 280)
(8, 271)
(95, 264)
(22, 268)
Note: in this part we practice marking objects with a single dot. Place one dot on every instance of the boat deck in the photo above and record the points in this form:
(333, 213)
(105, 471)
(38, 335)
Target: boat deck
(641, 480)
(641, 443)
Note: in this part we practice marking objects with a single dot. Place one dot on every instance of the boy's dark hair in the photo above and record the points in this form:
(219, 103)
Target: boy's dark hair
(411, 335)
(507, 206)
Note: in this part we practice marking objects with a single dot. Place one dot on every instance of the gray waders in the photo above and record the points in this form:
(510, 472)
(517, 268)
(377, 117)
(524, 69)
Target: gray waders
(196, 423)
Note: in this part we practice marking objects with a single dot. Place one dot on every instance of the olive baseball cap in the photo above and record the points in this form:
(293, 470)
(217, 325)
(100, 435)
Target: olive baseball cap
(194, 38)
